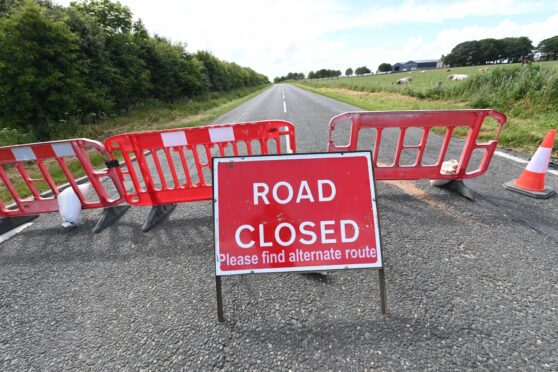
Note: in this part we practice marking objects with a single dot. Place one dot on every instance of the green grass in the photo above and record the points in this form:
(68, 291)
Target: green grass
(149, 116)
(528, 95)
(156, 115)
(422, 81)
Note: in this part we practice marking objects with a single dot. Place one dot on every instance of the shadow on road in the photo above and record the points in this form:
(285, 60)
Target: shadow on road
(121, 242)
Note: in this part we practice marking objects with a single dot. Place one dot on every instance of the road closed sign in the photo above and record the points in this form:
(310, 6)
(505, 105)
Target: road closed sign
(304, 212)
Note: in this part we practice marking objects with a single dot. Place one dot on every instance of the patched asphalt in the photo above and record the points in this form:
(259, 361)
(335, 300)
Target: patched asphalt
(470, 285)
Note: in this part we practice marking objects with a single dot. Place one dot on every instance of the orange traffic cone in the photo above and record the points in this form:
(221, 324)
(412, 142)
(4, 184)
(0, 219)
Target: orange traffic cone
(532, 180)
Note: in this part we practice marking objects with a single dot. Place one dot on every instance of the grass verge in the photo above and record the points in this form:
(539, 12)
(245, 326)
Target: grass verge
(149, 116)
(528, 95)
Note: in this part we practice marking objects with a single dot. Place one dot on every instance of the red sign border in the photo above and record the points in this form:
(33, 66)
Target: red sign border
(316, 155)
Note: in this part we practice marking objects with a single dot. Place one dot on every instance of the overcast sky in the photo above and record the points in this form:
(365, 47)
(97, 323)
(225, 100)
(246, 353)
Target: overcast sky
(277, 37)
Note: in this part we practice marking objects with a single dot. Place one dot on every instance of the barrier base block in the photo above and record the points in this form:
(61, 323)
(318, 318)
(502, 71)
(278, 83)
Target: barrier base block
(459, 187)
(10, 223)
(547, 193)
(110, 216)
(156, 215)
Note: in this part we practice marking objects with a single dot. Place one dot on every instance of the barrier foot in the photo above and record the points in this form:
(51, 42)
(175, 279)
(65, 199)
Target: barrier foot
(10, 223)
(547, 193)
(110, 216)
(156, 215)
(459, 187)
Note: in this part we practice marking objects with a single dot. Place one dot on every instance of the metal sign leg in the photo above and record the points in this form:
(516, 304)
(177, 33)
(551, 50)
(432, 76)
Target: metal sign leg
(220, 315)
(383, 297)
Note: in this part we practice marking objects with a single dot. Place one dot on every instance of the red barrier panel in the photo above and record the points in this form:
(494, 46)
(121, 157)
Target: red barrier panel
(16, 162)
(174, 166)
(422, 122)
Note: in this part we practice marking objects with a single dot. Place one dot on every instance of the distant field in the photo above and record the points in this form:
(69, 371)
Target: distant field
(528, 95)
(422, 80)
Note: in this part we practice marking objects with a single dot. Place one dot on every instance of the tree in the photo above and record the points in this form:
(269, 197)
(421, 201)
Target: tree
(113, 16)
(362, 70)
(94, 62)
(484, 51)
(550, 47)
(91, 58)
(40, 80)
(7, 6)
(291, 76)
(385, 67)
(311, 75)
(348, 72)
(467, 53)
(517, 48)
(491, 51)
(214, 73)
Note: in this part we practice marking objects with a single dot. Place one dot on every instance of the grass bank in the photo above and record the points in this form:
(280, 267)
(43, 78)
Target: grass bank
(528, 95)
(148, 116)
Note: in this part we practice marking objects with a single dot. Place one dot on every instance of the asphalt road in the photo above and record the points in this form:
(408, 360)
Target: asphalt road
(469, 285)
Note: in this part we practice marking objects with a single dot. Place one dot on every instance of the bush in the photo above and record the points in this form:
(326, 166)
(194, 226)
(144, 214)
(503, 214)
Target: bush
(60, 65)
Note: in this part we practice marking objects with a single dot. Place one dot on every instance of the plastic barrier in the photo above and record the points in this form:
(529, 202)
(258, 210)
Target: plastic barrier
(174, 166)
(424, 122)
(17, 162)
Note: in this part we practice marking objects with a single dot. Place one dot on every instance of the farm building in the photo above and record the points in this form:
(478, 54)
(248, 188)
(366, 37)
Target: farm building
(417, 65)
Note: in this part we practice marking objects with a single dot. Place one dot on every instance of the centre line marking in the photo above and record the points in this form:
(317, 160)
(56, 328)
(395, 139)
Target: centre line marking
(284, 107)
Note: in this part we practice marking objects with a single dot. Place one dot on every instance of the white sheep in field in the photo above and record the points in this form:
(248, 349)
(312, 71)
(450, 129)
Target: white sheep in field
(459, 77)
(405, 80)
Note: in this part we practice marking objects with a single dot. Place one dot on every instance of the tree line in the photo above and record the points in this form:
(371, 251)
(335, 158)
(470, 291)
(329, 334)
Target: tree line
(90, 59)
(549, 47)
(327, 73)
(289, 76)
(322, 74)
(492, 51)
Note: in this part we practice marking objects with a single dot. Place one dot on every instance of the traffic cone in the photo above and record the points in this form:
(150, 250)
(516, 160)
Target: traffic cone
(532, 180)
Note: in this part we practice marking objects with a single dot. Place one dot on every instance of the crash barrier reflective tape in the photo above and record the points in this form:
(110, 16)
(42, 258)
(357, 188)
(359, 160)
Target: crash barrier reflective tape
(174, 166)
(20, 162)
(422, 123)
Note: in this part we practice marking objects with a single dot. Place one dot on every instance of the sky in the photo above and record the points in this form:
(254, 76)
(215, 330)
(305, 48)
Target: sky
(276, 37)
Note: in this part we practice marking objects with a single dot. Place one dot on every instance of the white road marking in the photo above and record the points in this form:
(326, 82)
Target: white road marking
(284, 107)
(511, 157)
(13, 232)
(519, 160)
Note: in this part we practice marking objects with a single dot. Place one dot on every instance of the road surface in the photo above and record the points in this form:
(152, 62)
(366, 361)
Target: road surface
(469, 285)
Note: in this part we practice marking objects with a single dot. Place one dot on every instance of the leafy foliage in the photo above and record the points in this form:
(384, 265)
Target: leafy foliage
(489, 51)
(362, 70)
(39, 74)
(550, 47)
(290, 76)
(385, 67)
(348, 72)
(324, 73)
(89, 60)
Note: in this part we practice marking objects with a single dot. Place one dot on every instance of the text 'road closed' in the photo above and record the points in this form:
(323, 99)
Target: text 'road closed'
(295, 213)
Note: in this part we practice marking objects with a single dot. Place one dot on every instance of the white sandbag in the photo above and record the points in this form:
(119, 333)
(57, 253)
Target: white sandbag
(69, 205)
